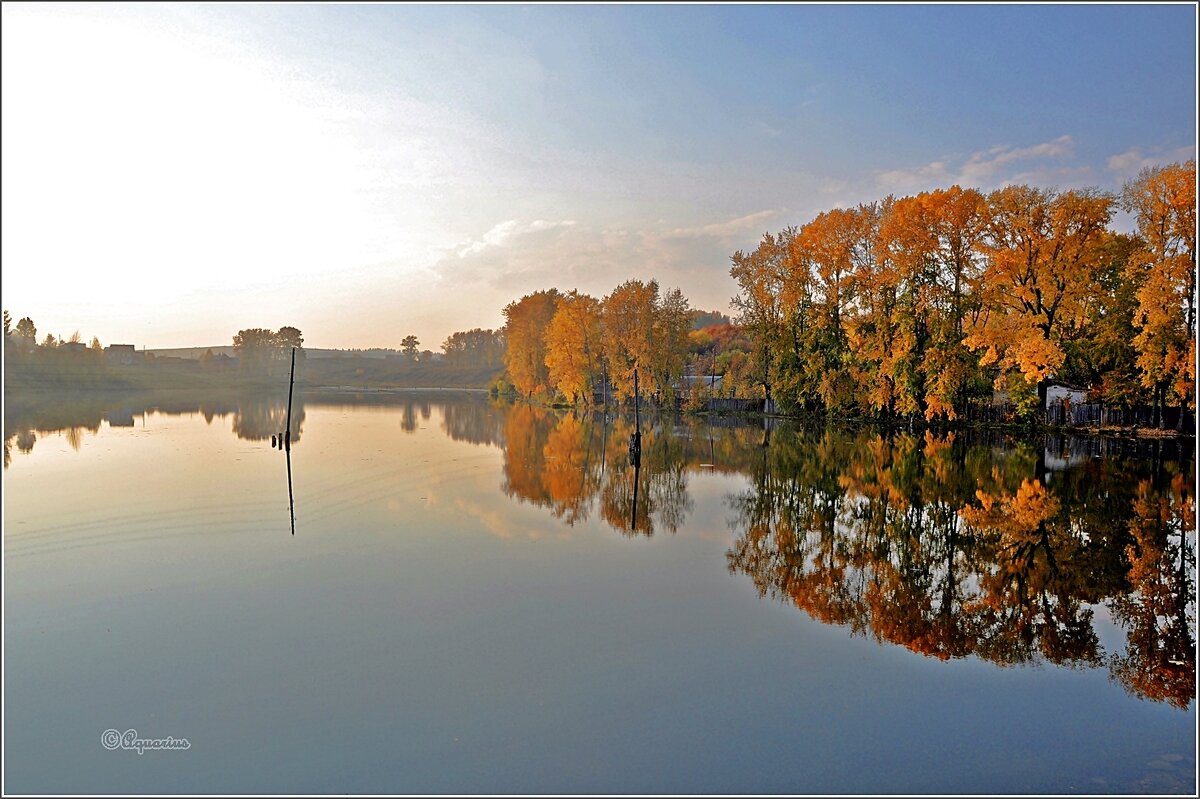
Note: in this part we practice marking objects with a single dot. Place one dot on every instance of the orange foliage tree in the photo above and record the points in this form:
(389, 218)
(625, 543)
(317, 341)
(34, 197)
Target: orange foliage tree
(1164, 200)
(525, 326)
(573, 346)
(1038, 288)
(628, 323)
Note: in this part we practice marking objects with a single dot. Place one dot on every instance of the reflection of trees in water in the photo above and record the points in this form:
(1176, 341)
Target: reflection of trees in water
(474, 422)
(257, 418)
(409, 408)
(662, 498)
(568, 462)
(954, 550)
(1159, 612)
(25, 440)
(570, 472)
(74, 436)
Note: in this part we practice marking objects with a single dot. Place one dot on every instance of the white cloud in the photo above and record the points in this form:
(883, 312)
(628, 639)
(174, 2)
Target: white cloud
(723, 230)
(903, 180)
(980, 167)
(1128, 164)
(516, 257)
(502, 232)
(985, 169)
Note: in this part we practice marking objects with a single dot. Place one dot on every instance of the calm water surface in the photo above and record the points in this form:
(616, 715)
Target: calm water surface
(474, 601)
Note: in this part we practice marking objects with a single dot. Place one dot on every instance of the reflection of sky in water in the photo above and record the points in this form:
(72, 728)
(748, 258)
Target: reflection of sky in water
(423, 632)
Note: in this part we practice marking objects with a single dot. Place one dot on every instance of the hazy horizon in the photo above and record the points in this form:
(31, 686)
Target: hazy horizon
(175, 173)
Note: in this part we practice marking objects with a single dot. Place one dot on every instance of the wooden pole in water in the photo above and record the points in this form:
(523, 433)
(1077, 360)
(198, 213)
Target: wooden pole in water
(291, 501)
(635, 440)
(637, 417)
(287, 435)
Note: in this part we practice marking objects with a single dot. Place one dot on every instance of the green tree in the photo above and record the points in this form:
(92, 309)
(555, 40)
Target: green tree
(772, 305)
(672, 321)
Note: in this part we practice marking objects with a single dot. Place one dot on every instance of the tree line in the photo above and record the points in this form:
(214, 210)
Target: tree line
(574, 344)
(920, 305)
(917, 306)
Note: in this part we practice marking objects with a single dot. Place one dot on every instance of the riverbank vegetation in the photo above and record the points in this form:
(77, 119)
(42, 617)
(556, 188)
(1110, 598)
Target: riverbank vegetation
(937, 307)
(912, 307)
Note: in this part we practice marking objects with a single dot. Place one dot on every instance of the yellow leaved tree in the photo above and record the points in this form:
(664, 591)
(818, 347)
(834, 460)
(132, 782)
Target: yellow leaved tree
(1164, 200)
(1038, 288)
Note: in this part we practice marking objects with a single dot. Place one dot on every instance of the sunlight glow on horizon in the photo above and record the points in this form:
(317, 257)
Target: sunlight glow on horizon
(172, 174)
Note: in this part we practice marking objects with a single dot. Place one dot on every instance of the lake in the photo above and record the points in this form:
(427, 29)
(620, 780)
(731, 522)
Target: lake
(433, 593)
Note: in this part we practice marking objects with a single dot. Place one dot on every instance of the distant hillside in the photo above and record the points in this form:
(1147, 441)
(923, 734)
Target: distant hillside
(194, 353)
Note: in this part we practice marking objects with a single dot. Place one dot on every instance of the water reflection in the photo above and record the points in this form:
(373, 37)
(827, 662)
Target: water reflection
(291, 498)
(952, 549)
(950, 545)
(255, 417)
(571, 463)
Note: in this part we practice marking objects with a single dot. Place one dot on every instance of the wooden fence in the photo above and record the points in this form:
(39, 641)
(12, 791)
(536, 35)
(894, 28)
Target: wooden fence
(1097, 414)
(1065, 413)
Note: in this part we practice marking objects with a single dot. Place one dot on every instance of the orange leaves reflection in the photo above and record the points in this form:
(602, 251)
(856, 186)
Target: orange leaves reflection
(951, 550)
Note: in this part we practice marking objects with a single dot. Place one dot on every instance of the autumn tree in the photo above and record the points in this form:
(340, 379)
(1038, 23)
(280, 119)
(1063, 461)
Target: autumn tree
(831, 249)
(770, 308)
(887, 326)
(930, 245)
(628, 315)
(1164, 201)
(525, 326)
(572, 341)
(672, 321)
(1038, 289)
(1104, 357)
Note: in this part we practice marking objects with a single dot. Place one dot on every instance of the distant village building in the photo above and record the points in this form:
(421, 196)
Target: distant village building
(689, 382)
(73, 346)
(1057, 392)
(120, 353)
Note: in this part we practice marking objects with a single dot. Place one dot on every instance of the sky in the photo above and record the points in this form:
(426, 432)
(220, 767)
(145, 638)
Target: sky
(173, 173)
